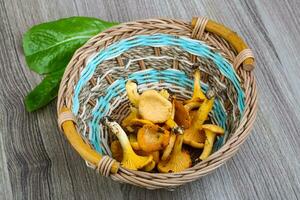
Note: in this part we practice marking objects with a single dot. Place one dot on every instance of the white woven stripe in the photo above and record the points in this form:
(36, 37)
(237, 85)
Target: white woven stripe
(156, 58)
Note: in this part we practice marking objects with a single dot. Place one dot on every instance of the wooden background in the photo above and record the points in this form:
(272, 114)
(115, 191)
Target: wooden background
(36, 162)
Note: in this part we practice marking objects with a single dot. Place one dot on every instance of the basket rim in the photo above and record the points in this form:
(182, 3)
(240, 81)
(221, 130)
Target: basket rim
(156, 180)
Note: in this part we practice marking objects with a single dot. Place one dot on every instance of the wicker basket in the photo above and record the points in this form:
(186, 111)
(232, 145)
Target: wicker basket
(157, 53)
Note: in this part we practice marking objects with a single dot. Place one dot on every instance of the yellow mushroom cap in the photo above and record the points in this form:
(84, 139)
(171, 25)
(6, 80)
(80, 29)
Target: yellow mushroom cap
(154, 107)
(152, 138)
(193, 137)
(213, 128)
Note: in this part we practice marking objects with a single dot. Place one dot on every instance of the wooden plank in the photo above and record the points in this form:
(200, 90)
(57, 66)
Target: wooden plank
(36, 162)
(5, 185)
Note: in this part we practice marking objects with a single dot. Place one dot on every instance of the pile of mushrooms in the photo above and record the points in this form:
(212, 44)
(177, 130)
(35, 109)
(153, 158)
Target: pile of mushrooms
(159, 126)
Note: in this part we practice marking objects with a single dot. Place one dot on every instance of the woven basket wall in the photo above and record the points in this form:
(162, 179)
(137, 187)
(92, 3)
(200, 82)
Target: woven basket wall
(157, 54)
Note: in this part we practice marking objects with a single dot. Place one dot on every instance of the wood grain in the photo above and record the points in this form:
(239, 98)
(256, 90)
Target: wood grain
(36, 162)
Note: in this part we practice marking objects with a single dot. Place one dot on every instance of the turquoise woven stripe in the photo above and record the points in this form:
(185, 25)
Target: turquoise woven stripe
(118, 89)
(158, 40)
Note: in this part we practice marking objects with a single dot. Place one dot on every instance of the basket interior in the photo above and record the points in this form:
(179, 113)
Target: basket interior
(158, 61)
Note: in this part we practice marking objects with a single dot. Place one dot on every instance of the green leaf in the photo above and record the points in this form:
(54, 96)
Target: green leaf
(45, 92)
(49, 46)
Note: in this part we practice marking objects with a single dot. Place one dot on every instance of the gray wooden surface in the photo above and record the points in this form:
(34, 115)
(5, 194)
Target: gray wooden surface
(36, 162)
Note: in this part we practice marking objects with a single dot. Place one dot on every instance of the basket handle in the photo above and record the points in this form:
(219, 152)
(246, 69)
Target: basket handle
(84, 149)
(245, 55)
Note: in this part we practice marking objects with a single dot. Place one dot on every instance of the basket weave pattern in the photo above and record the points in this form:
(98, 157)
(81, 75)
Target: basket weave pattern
(151, 62)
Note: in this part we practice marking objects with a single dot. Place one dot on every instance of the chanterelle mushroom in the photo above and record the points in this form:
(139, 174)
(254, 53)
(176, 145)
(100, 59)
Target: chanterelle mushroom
(133, 142)
(133, 119)
(167, 151)
(211, 131)
(192, 105)
(152, 138)
(155, 160)
(155, 154)
(127, 121)
(198, 95)
(132, 93)
(170, 123)
(130, 159)
(214, 128)
(179, 160)
(149, 167)
(192, 135)
(182, 117)
(154, 107)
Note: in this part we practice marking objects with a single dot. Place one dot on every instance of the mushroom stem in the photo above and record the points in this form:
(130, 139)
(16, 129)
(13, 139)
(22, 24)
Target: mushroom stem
(214, 128)
(179, 160)
(178, 144)
(211, 131)
(198, 95)
(192, 105)
(203, 112)
(171, 122)
(132, 93)
(167, 151)
(209, 143)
